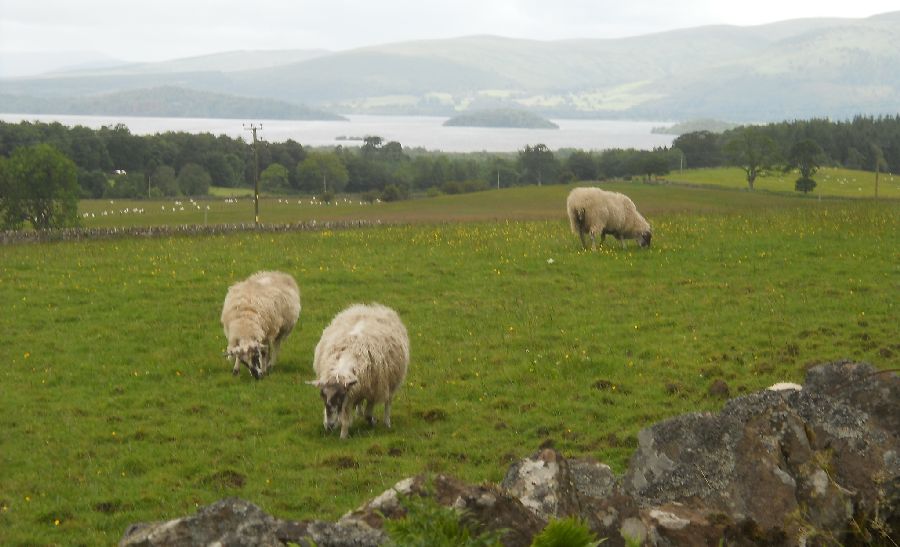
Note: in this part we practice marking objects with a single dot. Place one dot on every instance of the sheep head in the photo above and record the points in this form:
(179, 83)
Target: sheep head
(644, 239)
(334, 396)
(253, 354)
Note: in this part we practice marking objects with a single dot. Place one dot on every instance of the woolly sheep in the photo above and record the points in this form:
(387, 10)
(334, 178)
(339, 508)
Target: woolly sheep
(594, 211)
(258, 314)
(362, 357)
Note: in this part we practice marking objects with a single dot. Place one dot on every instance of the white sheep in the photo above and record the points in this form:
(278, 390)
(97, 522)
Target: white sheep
(594, 211)
(258, 314)
(362, 356)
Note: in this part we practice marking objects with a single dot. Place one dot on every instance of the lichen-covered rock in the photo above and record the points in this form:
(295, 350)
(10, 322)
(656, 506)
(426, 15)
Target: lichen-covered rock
(544, 484)
(790, 464)
(482, 508)
(814, 466)
(233, 522)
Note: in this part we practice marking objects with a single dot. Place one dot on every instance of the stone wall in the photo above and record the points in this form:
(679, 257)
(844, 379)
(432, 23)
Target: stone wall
(11, 237)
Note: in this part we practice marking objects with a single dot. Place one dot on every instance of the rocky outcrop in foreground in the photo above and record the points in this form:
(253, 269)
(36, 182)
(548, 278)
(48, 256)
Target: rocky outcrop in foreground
(817, 466)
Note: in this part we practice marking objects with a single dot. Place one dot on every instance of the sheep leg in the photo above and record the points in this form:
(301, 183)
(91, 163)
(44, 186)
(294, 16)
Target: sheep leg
(346, 420)
(583, 242)
(387, 413)
(273, 354)
(370, 406)
(236, 369)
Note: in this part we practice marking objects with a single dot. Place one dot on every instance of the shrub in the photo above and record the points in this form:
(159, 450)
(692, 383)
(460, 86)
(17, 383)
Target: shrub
(804, 185)
(567, 532)
(394, 192)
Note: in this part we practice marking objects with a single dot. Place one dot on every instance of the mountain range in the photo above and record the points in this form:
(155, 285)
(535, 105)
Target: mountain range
(793, 69)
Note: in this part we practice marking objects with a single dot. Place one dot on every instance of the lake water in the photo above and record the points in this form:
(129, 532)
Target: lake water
(410, 131)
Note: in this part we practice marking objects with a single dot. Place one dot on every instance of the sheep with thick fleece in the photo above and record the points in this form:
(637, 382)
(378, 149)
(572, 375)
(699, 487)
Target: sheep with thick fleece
(258, 314)
(594, 211)
(362, 357)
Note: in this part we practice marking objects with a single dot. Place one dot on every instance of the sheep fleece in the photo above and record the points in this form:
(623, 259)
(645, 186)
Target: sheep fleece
(375, 340)
(609, 212)
(263, 308)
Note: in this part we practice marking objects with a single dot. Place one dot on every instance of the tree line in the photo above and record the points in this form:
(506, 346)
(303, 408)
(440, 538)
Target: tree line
(44, 163)
(864, 142)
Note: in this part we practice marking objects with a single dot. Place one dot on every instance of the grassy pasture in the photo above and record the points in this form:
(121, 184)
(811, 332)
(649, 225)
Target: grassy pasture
(521, 203)
(117, 406)
(830, 181)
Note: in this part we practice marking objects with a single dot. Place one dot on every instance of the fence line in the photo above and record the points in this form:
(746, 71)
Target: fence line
(13, 237)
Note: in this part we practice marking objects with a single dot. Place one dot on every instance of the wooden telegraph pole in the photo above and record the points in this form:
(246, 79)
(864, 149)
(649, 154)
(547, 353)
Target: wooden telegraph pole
(254, 128)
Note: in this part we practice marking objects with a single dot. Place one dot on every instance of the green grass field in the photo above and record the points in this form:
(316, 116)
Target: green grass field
(118, 407)
(520, 203)
(830, 181)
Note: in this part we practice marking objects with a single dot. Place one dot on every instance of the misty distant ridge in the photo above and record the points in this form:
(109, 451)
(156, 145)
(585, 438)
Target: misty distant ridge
(791, 69)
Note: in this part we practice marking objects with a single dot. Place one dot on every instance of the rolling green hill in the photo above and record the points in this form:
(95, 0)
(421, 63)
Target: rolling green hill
(170, 102)
(791, 69)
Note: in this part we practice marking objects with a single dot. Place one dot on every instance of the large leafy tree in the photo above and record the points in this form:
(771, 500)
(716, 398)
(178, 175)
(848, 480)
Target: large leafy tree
(582, 165)
(538, 164)
(322, 171)
(753, 151)
(649, 164)
(275, 177)
(93, 183)
(40, 185)
(805, 156)
(164, 181)
(193, 180)
(700, 149)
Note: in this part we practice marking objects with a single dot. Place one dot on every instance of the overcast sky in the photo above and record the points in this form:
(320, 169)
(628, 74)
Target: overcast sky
(155, 30)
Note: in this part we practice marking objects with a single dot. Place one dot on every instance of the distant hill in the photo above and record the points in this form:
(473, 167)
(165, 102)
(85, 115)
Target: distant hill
(168, 102)
(792, 69)
(501, 118)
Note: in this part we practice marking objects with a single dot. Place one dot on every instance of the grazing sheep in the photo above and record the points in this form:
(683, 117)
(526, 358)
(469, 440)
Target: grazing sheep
(258, 314)
(362, 357)
(592, 211)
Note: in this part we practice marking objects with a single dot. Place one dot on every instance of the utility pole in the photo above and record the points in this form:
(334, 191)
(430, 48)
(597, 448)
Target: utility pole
(254, 128)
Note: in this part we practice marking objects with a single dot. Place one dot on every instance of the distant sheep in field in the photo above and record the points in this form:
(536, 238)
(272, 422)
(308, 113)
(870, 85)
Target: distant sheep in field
(594, 211)
(362, 356)
(258, 314)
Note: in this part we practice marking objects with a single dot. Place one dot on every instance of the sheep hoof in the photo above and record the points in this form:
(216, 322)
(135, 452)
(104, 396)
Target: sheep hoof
(235, 372)
(371, 420)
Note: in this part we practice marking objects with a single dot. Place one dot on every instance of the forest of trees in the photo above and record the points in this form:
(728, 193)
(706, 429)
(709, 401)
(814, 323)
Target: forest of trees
(111, 162)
